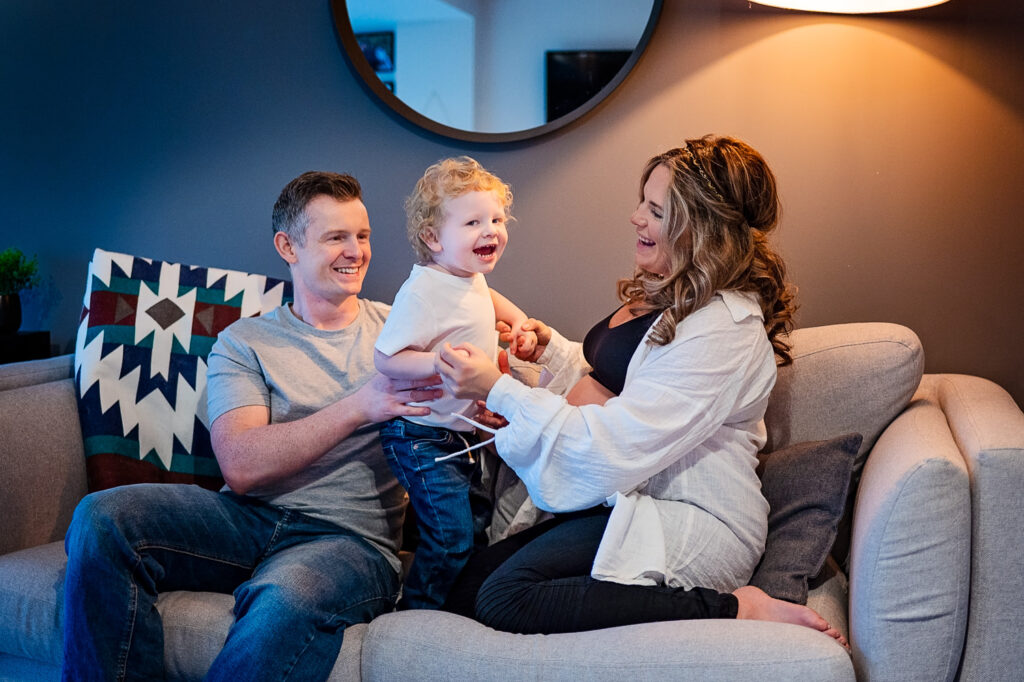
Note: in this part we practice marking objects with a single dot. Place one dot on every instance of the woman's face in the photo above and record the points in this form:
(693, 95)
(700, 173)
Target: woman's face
(652, 247)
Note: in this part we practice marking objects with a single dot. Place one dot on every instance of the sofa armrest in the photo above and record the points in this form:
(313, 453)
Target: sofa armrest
(41, 452)
(988, 428)
(910, 555)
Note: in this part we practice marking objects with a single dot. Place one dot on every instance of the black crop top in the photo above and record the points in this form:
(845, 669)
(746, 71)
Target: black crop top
(609, 349)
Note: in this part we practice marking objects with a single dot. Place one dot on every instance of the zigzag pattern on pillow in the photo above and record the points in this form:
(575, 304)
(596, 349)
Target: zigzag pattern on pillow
(140, 364)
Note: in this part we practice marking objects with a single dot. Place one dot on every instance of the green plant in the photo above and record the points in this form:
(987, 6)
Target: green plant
(17, 272)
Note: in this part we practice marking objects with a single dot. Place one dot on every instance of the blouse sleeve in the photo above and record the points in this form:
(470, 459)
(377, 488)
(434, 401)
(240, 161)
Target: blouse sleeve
(564, 360)
(679, 395)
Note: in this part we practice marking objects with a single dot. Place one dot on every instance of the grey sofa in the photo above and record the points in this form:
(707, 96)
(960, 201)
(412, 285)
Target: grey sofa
(932, 591)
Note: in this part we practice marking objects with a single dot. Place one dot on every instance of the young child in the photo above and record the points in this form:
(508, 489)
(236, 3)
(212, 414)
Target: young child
(458, 217)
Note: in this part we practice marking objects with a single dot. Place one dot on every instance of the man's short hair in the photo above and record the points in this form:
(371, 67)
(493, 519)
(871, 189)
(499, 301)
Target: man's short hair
(290, 208)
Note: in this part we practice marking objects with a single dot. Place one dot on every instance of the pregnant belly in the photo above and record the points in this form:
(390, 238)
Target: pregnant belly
(588, 391)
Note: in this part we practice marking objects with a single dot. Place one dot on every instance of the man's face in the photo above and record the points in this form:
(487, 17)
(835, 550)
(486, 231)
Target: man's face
(331, 264)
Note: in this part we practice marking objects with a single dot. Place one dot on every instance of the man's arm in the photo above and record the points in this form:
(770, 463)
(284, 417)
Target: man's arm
(253, 453)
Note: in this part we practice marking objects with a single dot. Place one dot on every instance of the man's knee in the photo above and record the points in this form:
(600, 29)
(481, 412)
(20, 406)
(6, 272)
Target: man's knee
(97, 518)
(301, 603)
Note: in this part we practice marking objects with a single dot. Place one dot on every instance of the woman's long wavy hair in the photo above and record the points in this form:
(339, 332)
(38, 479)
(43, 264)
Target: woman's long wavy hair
(716, 227)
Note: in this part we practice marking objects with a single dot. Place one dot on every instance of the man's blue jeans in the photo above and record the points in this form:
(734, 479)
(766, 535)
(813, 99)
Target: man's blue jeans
(451, 509)
(298, 582)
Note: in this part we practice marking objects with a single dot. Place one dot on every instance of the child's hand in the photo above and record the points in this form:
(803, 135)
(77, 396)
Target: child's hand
(523, 344)
(488, 418)
(528, 340)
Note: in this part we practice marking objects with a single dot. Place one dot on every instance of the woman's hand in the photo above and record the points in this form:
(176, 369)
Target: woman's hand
(485, 416)
(467, 370)
(528, 341)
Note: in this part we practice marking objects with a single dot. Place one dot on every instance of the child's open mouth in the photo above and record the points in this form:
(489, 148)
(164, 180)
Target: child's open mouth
(485, 250)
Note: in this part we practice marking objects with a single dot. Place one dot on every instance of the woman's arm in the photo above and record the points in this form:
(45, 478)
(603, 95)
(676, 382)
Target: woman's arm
(676, 396)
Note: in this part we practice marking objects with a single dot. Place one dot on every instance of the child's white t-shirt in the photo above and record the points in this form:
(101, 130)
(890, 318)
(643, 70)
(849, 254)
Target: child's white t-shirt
(434, 307)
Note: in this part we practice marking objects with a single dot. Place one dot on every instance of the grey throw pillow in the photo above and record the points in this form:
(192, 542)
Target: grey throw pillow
(806, 485)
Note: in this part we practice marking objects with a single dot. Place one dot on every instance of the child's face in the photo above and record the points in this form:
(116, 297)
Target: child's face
(473, 235)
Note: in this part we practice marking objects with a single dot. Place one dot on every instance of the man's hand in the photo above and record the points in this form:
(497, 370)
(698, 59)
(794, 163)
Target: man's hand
(528, 341)
(382, 398)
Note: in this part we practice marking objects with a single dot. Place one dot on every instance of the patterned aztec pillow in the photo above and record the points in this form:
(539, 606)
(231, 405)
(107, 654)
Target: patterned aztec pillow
(140, 364)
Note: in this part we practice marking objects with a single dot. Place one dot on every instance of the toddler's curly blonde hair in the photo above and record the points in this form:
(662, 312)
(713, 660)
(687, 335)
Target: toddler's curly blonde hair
(448, 179)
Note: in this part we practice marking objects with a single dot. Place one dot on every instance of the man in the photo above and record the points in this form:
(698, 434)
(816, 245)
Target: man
(305, 531)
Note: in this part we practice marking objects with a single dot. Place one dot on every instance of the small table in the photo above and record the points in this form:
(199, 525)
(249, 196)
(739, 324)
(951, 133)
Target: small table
(21, 346)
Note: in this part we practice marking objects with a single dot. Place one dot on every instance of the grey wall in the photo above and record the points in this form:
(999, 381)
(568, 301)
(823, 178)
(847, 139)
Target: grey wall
(166, 129)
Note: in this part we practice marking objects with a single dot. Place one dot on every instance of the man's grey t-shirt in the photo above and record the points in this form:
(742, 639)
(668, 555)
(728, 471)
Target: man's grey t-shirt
(280, 362)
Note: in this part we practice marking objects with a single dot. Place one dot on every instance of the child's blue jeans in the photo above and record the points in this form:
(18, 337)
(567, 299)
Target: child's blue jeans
(451, 509)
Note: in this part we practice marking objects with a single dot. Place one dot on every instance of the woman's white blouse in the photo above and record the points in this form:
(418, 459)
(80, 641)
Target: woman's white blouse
(674, 453)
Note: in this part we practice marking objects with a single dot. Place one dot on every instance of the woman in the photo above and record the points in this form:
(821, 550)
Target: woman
(651, 456)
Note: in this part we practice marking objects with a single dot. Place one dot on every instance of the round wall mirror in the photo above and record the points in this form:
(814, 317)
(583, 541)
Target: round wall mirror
(493, 70)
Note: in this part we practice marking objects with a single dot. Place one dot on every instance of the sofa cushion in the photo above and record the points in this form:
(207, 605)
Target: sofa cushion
(829, 596)
(140, 364)
(31, 602)
(845, 378)
(432, 645)
(195, 623)
(42, 463)
(806, 487)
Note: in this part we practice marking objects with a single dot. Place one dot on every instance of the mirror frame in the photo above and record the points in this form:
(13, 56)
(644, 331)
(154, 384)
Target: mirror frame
(347, 37)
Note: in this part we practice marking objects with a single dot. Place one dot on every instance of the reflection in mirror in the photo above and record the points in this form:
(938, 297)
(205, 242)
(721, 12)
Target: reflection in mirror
(494, 70)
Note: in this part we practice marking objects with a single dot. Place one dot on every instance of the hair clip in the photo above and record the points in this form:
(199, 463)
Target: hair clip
(695, 165)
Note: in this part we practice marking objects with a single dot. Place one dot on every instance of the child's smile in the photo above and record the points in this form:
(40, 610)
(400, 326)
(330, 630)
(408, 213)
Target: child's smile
(473, 235)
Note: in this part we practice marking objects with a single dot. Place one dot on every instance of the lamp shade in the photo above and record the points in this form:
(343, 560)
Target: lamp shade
(851, 6)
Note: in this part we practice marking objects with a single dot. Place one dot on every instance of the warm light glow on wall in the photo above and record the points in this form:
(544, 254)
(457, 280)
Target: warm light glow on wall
(851, 6)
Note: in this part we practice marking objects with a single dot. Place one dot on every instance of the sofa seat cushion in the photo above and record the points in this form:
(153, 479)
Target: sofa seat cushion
(829, 595)
(428, 645)
(196, 624)
(32, 614)
(31, 602)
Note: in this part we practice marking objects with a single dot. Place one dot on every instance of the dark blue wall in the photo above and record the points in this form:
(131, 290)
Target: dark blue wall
(166, 129)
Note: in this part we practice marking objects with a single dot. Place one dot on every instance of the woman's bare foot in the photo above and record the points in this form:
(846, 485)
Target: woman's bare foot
(754, 604)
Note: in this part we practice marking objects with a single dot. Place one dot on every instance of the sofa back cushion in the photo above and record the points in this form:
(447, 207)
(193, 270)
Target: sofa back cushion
(40, 454)
(140, 364)
(845, 378)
